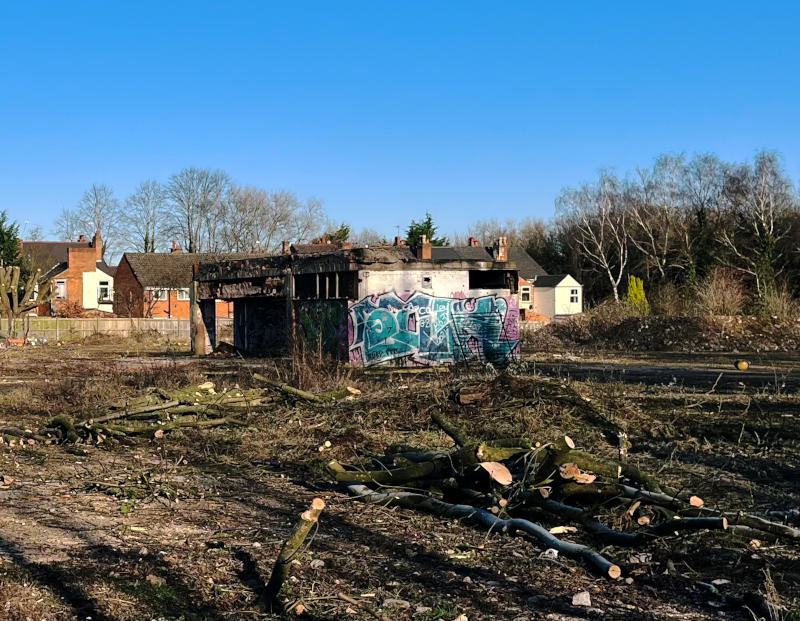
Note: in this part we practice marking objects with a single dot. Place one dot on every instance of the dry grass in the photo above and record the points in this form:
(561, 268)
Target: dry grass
(236, 492)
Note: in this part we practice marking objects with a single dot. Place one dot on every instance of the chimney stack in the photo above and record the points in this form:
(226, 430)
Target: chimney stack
(399, 241)
(286, 247)
(176, 248)
(500, 250)
(473, 242)
(81, 239)
(97, 244)
(425, 253)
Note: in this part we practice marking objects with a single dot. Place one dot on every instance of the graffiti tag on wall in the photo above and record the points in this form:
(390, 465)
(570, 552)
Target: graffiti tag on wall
(321, 326)
(423, 330)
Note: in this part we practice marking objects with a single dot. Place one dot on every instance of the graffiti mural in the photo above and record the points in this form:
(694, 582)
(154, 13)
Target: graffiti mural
(322, 326)
(421, 330)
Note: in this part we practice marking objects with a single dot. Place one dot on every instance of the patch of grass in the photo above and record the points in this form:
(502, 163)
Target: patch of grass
(159, 598)
(444, 610)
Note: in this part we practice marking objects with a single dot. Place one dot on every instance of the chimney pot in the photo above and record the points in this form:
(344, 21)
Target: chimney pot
(81, 239)
(473, 242)
(286, 247)
(176, 248)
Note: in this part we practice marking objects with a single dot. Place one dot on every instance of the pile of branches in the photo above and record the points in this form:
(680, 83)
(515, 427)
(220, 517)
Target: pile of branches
(508, 485)
(160, 411)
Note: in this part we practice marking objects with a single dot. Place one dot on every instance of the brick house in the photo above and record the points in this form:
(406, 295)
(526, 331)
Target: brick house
(528, 270)
(156, 284)
(78, 269)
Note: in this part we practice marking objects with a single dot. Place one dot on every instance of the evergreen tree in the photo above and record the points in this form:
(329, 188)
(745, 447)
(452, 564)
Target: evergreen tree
(9, 241)
(425, 227)
(636, 296)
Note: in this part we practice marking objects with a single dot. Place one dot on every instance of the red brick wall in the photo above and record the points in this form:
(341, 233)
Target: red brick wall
(127, 292)
(179, 309)
(129, 298)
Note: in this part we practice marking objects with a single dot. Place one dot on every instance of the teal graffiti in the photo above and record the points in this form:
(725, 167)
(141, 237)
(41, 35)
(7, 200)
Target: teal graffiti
(424, 330)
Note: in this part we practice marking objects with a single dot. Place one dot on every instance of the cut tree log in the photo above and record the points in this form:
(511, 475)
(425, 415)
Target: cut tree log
(289, 549)
(459, 436)
(488, 520)
(149, 430)
(289, 390)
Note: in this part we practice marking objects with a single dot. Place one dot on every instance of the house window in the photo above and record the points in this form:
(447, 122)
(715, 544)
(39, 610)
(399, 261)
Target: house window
(158, 295)
(573, 296)
(526, 294)
(103, 291)
(183, 295)
(426, 282)
(61, 290)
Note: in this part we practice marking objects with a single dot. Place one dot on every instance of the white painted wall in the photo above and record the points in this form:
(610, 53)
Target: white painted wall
(552, 301)
(563, 294)
(441, 283)
(91, 283)
(544, 301)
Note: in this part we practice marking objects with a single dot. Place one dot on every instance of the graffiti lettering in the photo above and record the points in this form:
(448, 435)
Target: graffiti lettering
(421, 330)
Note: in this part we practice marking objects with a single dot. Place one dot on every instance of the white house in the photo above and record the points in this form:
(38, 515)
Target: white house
(557, 295)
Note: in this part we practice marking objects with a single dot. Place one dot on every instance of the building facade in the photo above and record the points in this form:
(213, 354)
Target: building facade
(557, 296)
(80, 274)
(376, 306)
(156, 284)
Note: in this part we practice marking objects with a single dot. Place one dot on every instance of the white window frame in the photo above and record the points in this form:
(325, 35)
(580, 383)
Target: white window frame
(158, 295)
(525, 291)
(62, 286)
(183, 295)
(104, 284)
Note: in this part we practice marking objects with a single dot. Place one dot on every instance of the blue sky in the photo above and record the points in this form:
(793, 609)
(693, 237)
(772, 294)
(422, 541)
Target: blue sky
(385, 109)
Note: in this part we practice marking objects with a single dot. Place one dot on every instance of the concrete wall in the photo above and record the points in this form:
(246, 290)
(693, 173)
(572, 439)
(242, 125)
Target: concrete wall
(439, 283)
(419, 329)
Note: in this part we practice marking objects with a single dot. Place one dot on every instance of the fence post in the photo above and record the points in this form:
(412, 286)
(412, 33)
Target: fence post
(58, 335)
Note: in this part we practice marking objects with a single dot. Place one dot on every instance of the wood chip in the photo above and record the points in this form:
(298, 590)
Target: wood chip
(498, 472)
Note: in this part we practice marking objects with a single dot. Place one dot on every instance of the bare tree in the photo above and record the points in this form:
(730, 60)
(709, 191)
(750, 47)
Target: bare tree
(308, 219)
(34, 233)
(195, 196)
(99, 210)
(654, 208)
(257, 220)
(701, 214)
(368, 237)
(67, 225)
(144, 217)
(761, 199)
(599, 223)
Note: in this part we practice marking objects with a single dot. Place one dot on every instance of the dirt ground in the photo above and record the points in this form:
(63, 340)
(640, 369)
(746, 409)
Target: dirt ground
(79, 539)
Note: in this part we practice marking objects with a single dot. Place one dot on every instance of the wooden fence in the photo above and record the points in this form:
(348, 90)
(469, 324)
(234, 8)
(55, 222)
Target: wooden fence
(60, 329)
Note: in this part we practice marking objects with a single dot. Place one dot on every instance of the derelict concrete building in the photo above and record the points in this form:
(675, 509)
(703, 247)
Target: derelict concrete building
(374, 306)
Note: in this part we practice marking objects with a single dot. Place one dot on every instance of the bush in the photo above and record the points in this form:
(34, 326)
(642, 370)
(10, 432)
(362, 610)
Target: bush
(636, 297)
(778, 302)
(670, 301)
(720, 293)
